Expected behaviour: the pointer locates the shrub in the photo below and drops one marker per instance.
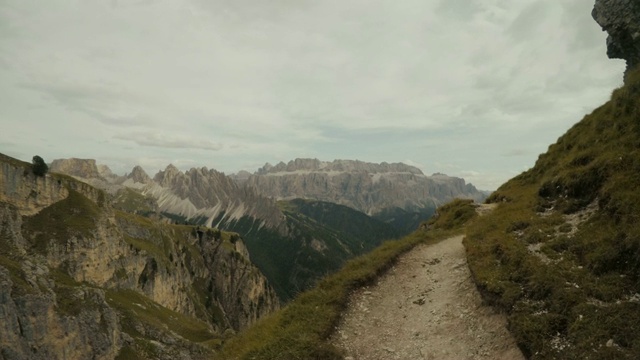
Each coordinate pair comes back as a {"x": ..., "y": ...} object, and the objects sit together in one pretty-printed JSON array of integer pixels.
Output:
[{"x": 40, "y": 168}]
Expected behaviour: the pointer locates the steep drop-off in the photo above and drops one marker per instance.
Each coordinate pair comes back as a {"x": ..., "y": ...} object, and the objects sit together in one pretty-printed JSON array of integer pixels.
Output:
[
  {"x": 79, "y": 279},
  {"x": 319, "y": 238}
]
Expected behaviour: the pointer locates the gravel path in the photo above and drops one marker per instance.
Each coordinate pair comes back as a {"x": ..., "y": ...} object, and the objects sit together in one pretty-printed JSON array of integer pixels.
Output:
[{"x": 426, "y": 307}]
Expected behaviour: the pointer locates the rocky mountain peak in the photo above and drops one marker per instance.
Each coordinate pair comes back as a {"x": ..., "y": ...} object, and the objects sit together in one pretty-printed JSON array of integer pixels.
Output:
[
  {"x": 106, "y": 172},
  {"x": 138, "y": 175},
  {"x": 621, "y": 20},
  {"x": 315, "y": 165},
  {"x": 83, "y": 168},
  {"x": 167, "y": 176}
]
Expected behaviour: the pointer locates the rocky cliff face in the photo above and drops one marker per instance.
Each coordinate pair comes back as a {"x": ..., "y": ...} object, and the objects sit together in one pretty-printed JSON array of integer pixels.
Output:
[
  {"x": 85, "y": 168},
  {"x": 209, "y": 195},
  {"x": 621, "y": 20},
  {"x": 79, "y": 279},
  {"x": 370, "y": 188},
  {"x": 138, "y": 175},
  {"x": 197, "y": 195}
]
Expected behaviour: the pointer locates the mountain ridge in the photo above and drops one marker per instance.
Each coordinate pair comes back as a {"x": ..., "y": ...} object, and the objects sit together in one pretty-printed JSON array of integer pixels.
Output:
[{"x": 76, "y": 272}]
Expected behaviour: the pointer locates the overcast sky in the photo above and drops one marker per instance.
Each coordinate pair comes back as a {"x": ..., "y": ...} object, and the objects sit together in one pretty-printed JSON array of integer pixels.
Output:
[{"x": 473, "y": 88}]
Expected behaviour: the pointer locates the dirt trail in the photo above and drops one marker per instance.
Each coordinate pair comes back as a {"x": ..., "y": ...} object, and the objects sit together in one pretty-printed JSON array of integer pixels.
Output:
[{"x": 426, "y": 307}]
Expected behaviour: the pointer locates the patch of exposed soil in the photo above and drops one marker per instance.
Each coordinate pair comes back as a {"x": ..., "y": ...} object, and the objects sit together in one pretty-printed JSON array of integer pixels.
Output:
[{"x": 426, "y": 307}]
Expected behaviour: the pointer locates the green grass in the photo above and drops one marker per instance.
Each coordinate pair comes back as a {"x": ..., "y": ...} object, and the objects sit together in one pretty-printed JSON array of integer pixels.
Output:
[
  {"x": 135, "y": 307},
  {"x": 133, "y": 201},
  {"x": 453, "y": 215},
  {"x": 74, "y": 216},
  {"x": 301, "y": 329},
  {"x": 576, "y": 290}
]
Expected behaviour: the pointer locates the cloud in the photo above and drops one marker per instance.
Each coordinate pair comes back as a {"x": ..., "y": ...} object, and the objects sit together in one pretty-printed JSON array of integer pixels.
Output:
[
  {"x": 101, "y": 103},
  {"x": 515, "y": 152},
  {"x": 169, "y": 142},
  {"x": 429, "y": 80}
]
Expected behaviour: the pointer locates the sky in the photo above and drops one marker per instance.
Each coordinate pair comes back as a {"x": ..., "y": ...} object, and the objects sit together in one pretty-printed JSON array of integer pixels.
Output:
[{"x": 475, "y": 88}]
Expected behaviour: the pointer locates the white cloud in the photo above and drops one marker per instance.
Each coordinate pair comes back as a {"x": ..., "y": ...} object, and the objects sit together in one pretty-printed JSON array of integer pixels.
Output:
[
  {"x": 255, "y": 81},
  {"x": 169, "y": 141}
]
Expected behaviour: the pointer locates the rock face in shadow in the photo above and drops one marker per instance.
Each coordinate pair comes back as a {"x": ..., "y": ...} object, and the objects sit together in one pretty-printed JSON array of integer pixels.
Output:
[{"x": 621, "y": 20}]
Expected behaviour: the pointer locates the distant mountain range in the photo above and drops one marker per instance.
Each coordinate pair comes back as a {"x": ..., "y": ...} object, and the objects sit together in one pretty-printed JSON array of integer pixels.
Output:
[
  {"x": 82, "y": 279},
  {"x": 286, "y": 213}
]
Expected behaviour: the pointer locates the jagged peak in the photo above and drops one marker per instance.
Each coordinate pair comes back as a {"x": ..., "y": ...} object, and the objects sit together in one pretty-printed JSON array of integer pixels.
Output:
[
  {"x": 106, "y": 172},
  {"x": 171, "y": 168},
  {"x": 139, "y": 175},
  {"x": 308, "y": 164},
  {"x": 168, "y": 173}
]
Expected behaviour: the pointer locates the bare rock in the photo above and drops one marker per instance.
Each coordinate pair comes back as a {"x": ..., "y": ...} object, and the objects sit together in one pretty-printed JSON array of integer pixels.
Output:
[
  {"x": 621, "y": 20},
  {"x": 83, "y": 168}
]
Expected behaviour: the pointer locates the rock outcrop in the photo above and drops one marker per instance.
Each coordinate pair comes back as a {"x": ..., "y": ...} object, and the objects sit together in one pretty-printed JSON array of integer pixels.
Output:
[
  {"x": 79, "y": 279},
  {"x": 367, "y": 187},
  {"x": 138, "y": 175},
  {"x": 84, "y": 168},
  {"x": 210, "y": 195},
  {"x": 621, "y": 20}
]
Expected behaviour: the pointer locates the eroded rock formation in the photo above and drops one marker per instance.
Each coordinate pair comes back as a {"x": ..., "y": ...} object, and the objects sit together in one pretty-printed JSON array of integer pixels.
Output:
[
  {"x": 621, "y": 20},
  {"x": 368, "y": 187},
  {"x": 79, "y": 279}
]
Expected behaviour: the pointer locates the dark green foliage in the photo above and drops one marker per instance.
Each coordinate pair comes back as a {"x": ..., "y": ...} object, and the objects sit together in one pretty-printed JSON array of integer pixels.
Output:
[
  {"x": 578, "y": 289},
  {"x": 405, "y": 221},
  {"x": 321, "y": 236},
  {"x": 40, "y": 168},
  {"x": 301, "y": 329}
]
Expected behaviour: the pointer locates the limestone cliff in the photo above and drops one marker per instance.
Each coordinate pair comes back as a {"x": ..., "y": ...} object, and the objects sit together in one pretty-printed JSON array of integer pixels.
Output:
[
  {"x": 79, "y": 279},
  {"x": 621, "y": 20},
  {"x": 85, "y": 168},
  {"x": 368, "y": 187},
  {"x": 208, "y": 195}
]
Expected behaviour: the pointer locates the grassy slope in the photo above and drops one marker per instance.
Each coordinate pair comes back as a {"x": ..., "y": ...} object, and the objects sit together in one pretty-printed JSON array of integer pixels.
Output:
[
  {"x": 574, "y": 298},
  {"x": 300, "y": 330}
]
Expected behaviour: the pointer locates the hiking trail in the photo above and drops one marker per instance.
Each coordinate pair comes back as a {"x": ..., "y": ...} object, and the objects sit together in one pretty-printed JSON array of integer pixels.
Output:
[{"x": 425, "y": 308}]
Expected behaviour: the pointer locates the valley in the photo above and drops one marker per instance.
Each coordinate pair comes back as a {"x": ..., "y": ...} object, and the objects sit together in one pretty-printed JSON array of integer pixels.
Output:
[{"x": 319, "y": 259}]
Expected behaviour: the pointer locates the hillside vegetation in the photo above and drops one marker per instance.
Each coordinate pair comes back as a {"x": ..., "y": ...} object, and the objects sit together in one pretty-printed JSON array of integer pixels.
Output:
[
  {"x": 561, "y": 253},
  {"x": 301, "y": 329},
  {"x": 321, "y": 237}
]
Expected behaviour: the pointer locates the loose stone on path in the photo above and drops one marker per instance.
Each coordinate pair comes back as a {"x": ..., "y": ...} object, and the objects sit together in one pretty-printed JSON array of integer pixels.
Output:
[{"x": 425, "y": 308}]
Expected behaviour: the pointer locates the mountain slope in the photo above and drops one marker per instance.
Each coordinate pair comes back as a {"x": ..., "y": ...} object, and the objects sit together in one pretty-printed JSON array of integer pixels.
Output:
[
  {"x": 561, "y": 253},
  {"x": 395, "y": 193},
  {"x": 78, "y": 277},
  {"x": 293, "y": 243},
  {"x": 319, "y": 238}
]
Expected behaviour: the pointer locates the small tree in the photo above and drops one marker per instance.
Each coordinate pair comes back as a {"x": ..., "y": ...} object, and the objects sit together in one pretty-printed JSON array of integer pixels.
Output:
[{"x": 40, "y": 168}]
